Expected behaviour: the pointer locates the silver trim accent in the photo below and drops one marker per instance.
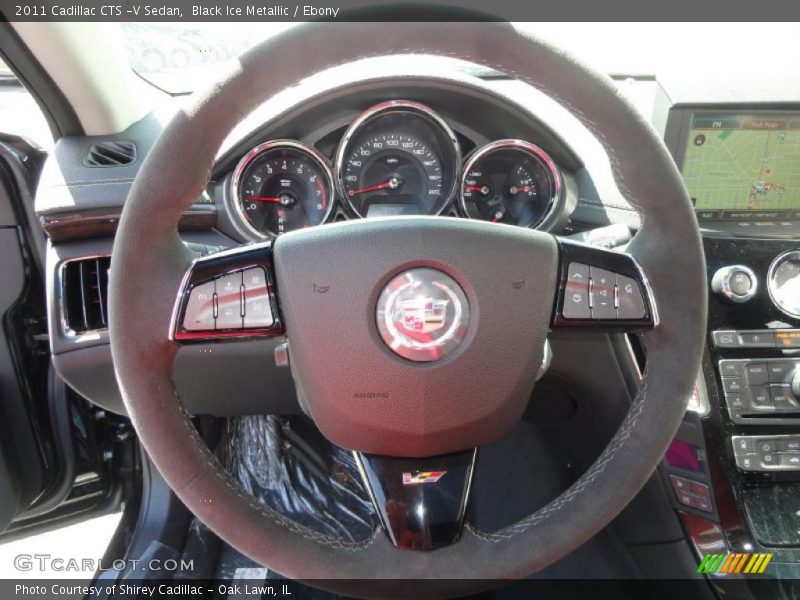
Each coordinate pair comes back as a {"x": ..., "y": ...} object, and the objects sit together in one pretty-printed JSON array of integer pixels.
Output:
[
  {"x": 374, "y": 112},
  {"x": 520, "y": 146},
  {"x": 700, "y": 389},
  {"x": 281, "y": 354},
  {"x": 632, "y": 356},
  {"x": 183, "y": 288},
  {"x": 773, "y": 267},
  {"x": 241, "y": 221},
  {"x": 651, "y": 299},
  {"x": 547, "y": 358},
  {"x": 60, "y": 290},
  {"x": 721, "y": 283},
  {"x": 704, "y": 405}
]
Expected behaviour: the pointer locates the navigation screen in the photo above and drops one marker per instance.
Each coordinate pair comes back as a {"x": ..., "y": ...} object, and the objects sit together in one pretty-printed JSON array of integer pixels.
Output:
[{"x": 744, "y": 167}]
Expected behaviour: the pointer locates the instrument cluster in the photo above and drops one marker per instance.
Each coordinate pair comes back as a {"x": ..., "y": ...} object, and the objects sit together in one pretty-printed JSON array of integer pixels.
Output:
[{"x": 396, "y": 158}]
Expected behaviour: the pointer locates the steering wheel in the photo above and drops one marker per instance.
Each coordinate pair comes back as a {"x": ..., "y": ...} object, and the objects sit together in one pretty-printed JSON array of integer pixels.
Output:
[{"x": 412, "y": 341}]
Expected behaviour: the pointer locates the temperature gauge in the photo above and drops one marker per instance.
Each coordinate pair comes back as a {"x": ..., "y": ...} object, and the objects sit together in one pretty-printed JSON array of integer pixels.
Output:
[{"x": 510, "y": 181}]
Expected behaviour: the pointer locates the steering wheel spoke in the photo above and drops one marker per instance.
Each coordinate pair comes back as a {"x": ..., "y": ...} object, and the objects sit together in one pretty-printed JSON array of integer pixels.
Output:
[
  {"x": 420, "y": 501},
  {"x": 602, "y": 289},
  {"x": 227, "y": 296}
]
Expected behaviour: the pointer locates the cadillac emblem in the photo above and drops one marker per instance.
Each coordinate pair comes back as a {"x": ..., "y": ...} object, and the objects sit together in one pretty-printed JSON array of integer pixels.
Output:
[{"x": 422, "y": 314}]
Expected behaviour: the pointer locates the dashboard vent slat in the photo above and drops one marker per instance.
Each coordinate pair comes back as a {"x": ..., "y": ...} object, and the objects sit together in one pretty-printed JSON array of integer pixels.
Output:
[
  {"x": 85, "y": 294},
  {"x": 110, "y": 154}
]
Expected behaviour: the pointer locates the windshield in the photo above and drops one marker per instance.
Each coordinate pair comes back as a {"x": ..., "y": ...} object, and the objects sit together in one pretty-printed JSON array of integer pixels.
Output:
[{"x": 179, "y": 57}]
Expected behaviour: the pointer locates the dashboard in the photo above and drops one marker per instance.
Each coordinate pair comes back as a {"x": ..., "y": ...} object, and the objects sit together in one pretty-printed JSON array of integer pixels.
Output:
[{"x": 397, "y": 157}]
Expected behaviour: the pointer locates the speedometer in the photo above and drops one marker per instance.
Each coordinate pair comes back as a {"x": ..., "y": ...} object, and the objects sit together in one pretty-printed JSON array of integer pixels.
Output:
[{"x": 398, "y": 158}]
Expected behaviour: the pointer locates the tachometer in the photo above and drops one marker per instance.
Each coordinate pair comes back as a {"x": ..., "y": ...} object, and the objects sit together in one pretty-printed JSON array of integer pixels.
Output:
[
  {"x": 398, "y": 158},
  {"x": 280, "y": 186},
  {"x": 510, "y": 181}
]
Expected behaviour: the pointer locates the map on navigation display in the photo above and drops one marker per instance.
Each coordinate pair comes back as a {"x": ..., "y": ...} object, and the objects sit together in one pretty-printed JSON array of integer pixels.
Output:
[{"x": 738, "y": 164}]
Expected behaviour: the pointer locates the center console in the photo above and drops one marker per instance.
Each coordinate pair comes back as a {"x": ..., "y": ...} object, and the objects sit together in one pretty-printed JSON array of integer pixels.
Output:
[{"x": 742, "y": 170}]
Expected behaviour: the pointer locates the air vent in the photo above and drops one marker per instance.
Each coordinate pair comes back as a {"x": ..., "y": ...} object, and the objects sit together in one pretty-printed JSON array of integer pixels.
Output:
[
  {"x": 85, "y": 294},
  {"x": 110, "y": 154}
]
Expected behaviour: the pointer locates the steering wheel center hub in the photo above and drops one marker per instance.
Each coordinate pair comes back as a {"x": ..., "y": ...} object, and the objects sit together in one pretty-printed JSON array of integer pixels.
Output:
[
  {"x": 423, "y": 315},
  {"x": 423, "y": 340}
]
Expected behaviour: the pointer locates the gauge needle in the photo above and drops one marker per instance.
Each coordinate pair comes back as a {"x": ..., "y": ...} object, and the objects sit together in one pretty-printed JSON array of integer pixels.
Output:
[
  {"x": 483, "y": 190},
  {"x": 523, "y": 188},
  {"x": 392, "y": 183},
  {"x": 275, "y": 199}
]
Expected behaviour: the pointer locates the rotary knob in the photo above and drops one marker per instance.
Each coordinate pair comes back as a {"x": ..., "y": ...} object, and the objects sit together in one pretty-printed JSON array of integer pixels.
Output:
[{"x": 735, "y": 283}]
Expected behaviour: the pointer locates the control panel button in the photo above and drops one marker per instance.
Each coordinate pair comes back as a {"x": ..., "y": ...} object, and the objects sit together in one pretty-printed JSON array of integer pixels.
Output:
[
  {"x": 630, "y": 299},
  {"x": 680, "y": 484},
  {"x": 576, "y": 293},
  {"x": 255, "y": 278},
  {"x": 742, "y": 444},
  {"x": 737, "y": 402},
  {"x": 257, "y": 309},
  {"x": 756, "y": 373},
  {"x": 741, "y": 283},
  {"x": 767, "y": 446},
  {"x": 780, "y": 372},
  {"x": 782, "y": 397},
  {"x": 199, "y": 314},
  {"x": 760, "y": 397},
  {"x": 685, "y": 498},
  {"x": 789, "y": 445},
  {"x": 229, "y": 301},
  {"x": 703, "y": 504},
  {"x": 735, "y": 283},
  {"x": 601, "y": 293},
  {"x": 787, "y": 339},
  {"x": 769, "y": 459},
  {"x": 731, "y": 368},
  {"x": 733, "y": 385},
  {"x": 790, "y": 460},
  {"x": 725, "y": 339},
  {"x": 756, "y": 339}
]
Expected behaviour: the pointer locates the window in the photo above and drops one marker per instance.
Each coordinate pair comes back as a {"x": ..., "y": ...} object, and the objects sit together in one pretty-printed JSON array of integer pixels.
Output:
[{"x": 19, "y": 113}]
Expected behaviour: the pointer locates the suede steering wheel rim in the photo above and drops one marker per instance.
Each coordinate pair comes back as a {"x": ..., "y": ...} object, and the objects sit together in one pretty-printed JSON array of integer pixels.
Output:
[{"x": 149, "y": 261}]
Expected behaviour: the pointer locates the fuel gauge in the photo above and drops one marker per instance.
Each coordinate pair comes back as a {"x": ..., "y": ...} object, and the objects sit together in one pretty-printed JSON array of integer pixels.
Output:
[{"x": 510, "y": 181}]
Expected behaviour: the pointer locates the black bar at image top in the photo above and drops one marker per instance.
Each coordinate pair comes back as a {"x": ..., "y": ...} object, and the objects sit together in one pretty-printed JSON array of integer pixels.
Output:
[{"x": 393, "y": 10}]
